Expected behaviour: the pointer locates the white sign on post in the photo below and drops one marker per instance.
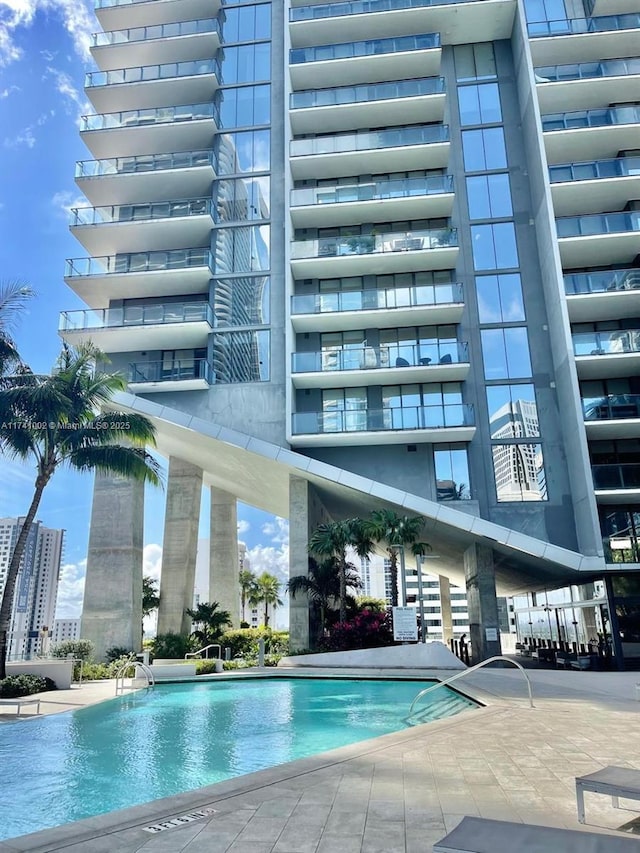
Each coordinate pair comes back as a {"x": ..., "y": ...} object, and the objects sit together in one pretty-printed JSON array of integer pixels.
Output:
[
  {"x": 405, "y": 624},
  {"x": 491, "y": 634}
]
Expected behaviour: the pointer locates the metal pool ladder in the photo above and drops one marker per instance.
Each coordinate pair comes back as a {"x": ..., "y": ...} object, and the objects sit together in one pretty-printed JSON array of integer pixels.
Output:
[
  {"x": 466, "y": 672},
  {"x": 121, "y": 676}
]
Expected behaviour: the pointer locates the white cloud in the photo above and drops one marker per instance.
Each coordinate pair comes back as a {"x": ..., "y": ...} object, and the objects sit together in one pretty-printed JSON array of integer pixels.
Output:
[
  {"x": 243, "y": 526},
  {"x": 64, "y": 201},
  {"x": 71, "y": 590},
  {"x": 27, "y": 136},
  {"x": 266, "y": 558},
  {"x": 75, "y": 16},
  {"x": 74, "y": 98},
  {"x": 4, "y": 93},
  {"x": 277, "y": 530}
]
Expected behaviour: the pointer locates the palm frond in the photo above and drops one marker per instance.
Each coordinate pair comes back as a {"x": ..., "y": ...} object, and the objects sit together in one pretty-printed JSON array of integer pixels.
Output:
[
  {"x": 131, "y": 462},
  {"x": 14, "y": 296}
]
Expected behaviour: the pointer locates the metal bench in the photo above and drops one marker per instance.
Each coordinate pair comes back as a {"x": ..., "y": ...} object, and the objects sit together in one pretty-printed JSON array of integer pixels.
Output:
[
  {"x": 478, "y": 835},
  {"x": 20, "y": 701},
  {"x": 614, "y": 781}
]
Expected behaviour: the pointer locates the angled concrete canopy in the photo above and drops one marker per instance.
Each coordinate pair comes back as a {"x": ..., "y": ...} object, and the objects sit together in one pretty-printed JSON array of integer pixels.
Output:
[{"x": 258, "y": 472}]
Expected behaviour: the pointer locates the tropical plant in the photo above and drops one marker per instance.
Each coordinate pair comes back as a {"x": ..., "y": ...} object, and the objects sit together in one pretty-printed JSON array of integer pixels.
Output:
[
  {"x": 367, "y": 630},
  {"x": 322, "y": 585},
  {"x": 396, "y": 531},
  {"x": 209, "y": 622},
  {"x": 118, "y": 653},
  {"x": 266, "y": 591},
  {"x": 54, "y": 421},
  {"x": 150, "y": 597},
  {"x": 81, "y": 649},
  {"x": 14, "y": 296},
  {"x": 247, "y": 582},
  {"x": 243, "y": 642},
  {"x": 14, "y": 686},
  {"x": 171, "y": 646}
]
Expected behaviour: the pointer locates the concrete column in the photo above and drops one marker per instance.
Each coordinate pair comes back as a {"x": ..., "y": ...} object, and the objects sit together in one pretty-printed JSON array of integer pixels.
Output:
[
  {"x": 480, "y": 577},
  {"x": 299, "y": 527},
  {"x": 445, "y": 609},
  {"x": 179, "y": 546},
  {"x": 112, "y": 607},
  {"x": 224, "y": 565}
]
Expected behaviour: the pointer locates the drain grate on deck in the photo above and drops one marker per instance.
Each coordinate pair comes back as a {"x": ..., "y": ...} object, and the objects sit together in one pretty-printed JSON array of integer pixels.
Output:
[{"x": 181, "y": 820}]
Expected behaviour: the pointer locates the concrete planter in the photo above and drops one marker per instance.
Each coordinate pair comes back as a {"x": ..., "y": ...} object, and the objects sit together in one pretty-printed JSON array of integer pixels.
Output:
[{"x": 59, "y": 671}]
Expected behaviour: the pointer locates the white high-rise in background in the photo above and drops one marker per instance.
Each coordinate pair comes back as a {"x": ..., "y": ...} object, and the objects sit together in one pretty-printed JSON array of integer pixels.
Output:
[
  {"x": 64, "y": 630},
  {"x": 34, "y": 601}
]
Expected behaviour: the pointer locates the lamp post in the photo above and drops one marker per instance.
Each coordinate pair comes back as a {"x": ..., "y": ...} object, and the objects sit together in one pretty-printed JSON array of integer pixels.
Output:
[{"x": 423, "y": 625}]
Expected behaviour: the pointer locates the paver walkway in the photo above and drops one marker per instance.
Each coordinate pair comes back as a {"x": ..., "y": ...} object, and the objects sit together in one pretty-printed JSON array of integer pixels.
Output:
[{"x": 404, "y": 791}]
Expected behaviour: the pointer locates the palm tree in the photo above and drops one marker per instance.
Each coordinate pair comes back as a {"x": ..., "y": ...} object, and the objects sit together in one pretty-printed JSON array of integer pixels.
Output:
[
  {"x": 247, "y": 582},
  {"x": 150, "y": 597},
  {"x": 13, "y": 298},
  {"x": 396, "y": 531},
  {"x": 211, "y": 622},
  {"x": 53, "y": 420},
  {"x": 322, "y": 585},
  {"x": 267, "y": 589}
]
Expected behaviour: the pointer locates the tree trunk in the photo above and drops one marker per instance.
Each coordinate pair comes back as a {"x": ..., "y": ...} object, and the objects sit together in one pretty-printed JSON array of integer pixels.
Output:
[
  {"x": 393, "y": 561},
  {"x": 266, "y": 613},
  {"x": 12, "y": 574},
  {"x": 343, "y": 591}
]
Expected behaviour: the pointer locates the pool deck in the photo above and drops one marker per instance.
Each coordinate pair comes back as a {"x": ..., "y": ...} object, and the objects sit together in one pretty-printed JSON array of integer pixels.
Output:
[{"x": 402, "y": 792}]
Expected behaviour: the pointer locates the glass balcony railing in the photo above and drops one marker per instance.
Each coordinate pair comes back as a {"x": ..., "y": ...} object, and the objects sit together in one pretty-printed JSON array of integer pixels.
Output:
[
  {"x": 588, "y": 70},
  {"x": 148, "y": 73},
  {"x": 158, "y": 31},
  {"x": 369, "y": 244},
  {"x": 569, "y": 26},
  {"x": 615, "y": 342},
  {"x": 610, "y": 116},
  {"x": 625, "y": 476},
  {"x": 155, "y": 115},
  {"x": 136, "y": 315},
  {"x": 179, "y": 370},
  {"x": 598, "y": 223},
  {"x": 622, "y": 548},
  {"x": 174, "y": 259},
  {"x": 143, "y": 163},
  {"x": 383, "y": 299},
  {"x": 602, "y": 281},
  {"x": 430, "y": 353},
  {"x": 373, "y": 191},
  {"x": 393, "y": 137},
  {"x": 621, "y": 167},
  {"x": 360, "y": 7},
  {"x": 378, "y": 420},
  {"x": 371, "y": 47},
  {"x": 140, "y": 212},
  {"x": 613, "y": 407},
  {"x": 366, "y": 93},
  {"x": 107, "y": 4}
]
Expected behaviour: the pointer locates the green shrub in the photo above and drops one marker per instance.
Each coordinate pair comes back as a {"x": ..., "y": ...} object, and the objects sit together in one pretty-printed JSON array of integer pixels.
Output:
[
  {"x": 205, "y": 667},
  {"x": 244, "y": 642},
  {"x": 117, "y": 652},
  {"x": 14, "y": 686},
  {"x": 82, "y": 649},
  {"x": 171, "y": 645}
]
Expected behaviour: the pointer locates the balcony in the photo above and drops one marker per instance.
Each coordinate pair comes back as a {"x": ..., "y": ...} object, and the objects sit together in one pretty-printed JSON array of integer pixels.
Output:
[
  {"x": 591, "y": 134},
  {"x": 616, "y": 484},
  {"x": 149, "y": 86},
  {"x": 343, "y": 204},
  {"x": 368, "y": 105},
  {"x": 99, "y": 281},
  {"x": 459, "y": 22},
  {"x": 152, "y": 377},
  {"x": 149, "y": 227},
  {"x": 120, "y": 14},
  {"x": 176, "y": 325},
  {"x": 375, "y": 254},
  {"x": 588, "y": 85},
  {"x": 153, "y": 131},
  {"x": 611, "y": 417},
  {"x": 594, "y": 186},
  {"x": 388, "y": 308},
  {"x": 595, "y": 240},
  {"x": 153, "y": 177},
  {"x": 612, "y": 7},
  {"x": 376, "y": 60},
  {"x": 603, "y": 355},
  {"x": 350, "y": 367},
  {"x": 584, "y": 39},
  {"x": 602, "y": 295},
  {"x": 383, "y": 426},
  {"x": 370, "y": 152},
  {"x": 174, "y": 42},
  {"x": 622, "y": 548}
]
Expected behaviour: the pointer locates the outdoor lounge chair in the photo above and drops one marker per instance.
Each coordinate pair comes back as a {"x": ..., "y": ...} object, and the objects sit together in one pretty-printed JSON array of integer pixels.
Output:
[
  {"x": 478, "y": 835},
  {"x": 614, "y": 781}
]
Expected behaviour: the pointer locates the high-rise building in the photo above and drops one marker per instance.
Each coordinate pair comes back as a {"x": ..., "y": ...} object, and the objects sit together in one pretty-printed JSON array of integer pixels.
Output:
[
  {"x": 65, "y": 629},
  {"x": 34, "y": 600},
  {"x": 355, "y": 255}
]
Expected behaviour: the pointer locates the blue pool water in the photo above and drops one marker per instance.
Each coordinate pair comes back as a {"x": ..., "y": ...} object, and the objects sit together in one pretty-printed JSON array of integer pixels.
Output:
[{"x": 177, "y": 737}]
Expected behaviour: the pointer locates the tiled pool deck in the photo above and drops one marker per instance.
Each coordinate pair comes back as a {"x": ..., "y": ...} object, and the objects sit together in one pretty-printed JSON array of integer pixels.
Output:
[{"x": 402, "y": 792}]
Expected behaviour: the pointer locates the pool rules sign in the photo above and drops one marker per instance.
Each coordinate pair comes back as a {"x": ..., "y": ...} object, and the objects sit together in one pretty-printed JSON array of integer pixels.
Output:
[{"x": 405, "y": 624}]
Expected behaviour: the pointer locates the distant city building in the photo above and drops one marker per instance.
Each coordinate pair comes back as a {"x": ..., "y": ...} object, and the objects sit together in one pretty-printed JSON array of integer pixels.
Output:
[
  {"x": 65, "y": 629},
  {"x": 34, "y": 601}
]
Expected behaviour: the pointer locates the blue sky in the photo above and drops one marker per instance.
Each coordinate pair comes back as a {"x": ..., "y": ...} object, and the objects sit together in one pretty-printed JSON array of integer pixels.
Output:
[{"x": 43, "y": 59}]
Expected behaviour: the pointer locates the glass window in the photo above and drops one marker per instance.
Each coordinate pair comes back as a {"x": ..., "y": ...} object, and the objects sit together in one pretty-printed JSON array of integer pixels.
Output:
[
  {"x": 246, "y": 23},
  {"x": 242, "y": 199},
  {"x": 344, "y": 410},
  {"x": 452, "y": 472},
  {"x": 512, "y": 411},
  {"x": 489, "y": 196},
  {"x": 246, "y": 151},
  {"x": 479, "y": 104},
  {"x": 245, "y": 106},
  {"x": 242, "y": 249},
  {"x": 474, "y": 62},
  {"x": 494, "y": 246},
  {"x": 241, "y": 301},
  {"x": 505, "y": 353},
  {"x": 500, "y": 298},
  {"x": 241, "y": 356},
  {"x": 484, "y": 150},
  {"x": 519, "y": 472},
  {"x": 246, "y": 63}
]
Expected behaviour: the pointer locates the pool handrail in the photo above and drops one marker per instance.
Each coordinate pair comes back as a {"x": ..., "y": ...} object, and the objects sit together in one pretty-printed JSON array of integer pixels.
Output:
[
  {"x": 466, "y": 672},
  {"x": 120, "y": 675},
  {"x": 205, "y": 649}
]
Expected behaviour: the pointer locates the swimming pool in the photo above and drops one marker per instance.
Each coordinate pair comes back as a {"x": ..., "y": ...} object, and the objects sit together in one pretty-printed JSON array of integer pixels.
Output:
[{"x": 178, "y": 737}]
